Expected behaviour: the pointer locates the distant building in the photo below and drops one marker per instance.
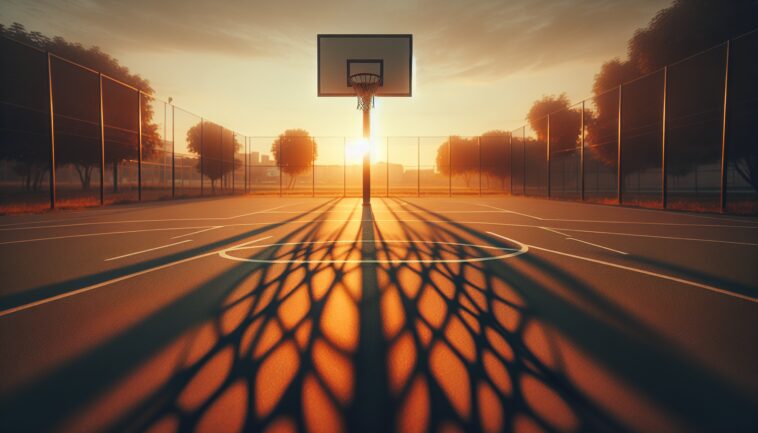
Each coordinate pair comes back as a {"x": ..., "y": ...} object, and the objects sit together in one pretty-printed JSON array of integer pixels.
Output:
[
  {"x": 254, "y": 158},
  {"x": 265, "y": 160}
]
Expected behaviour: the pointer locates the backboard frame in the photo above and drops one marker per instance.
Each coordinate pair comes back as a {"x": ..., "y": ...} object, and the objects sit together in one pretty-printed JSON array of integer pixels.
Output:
[{"x": 368, "y": 59}]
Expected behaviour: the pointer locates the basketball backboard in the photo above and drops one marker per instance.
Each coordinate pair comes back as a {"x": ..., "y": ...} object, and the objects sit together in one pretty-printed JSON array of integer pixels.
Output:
[{"x": 389, "y": 56}]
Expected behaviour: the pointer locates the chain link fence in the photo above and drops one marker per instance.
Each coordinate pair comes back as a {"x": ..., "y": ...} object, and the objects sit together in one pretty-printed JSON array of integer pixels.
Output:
[{"x": 682, "y": 137}]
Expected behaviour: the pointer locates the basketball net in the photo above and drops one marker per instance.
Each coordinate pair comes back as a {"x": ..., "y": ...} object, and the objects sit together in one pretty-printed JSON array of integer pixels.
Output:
[{"x": 365, "y": 86}]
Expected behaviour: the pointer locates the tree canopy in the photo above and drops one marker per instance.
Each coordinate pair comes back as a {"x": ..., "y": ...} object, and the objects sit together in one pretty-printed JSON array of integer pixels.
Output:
[
  {"x": 75, "y": 93},
  {"x": 217, "y": 147},
  {"x": 685, "y": 28},
  {"x": 565, "y": 122},
  {"x": 294, "y": 152}
]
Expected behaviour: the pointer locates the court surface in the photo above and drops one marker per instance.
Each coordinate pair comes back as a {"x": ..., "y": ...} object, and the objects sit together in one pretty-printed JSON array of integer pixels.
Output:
[{"x": 417, "y": 314}]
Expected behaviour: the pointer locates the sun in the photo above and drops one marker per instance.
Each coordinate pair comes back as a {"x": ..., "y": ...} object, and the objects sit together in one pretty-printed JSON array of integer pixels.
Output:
[{"x": 355, "y": 149}]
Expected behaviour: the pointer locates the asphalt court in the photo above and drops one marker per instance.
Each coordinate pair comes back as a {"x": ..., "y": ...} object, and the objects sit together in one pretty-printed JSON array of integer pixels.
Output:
[{"x": 484, "y": 313}]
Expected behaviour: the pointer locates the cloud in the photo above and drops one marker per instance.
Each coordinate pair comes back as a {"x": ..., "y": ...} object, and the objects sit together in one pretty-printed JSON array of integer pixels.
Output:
[{"x": 480, "y": 40}]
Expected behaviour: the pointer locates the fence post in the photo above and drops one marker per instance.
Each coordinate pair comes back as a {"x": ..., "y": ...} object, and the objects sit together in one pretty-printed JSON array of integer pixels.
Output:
[
  {"x": 139, "y": 145},
  {"x": 547, "y": 154},
  {"x": 479, "y": 142},
  {"x": 202, "y": 157},
  {"x": 281, "y": 163},
  {"x": 234, "y": 161},
  {"x": 664, "y": 161},
  {"x": 344, "y": 167},
  {"x": 221, "y": 157},
  {"x": 523, "y": 156},
  {"x": 173, "y": 154},
  {"x": 619, "y": 171},
  {"x": 510, "y": 161},
  {"x": 450, "y": 166},
  {"x": 52, "y": 130},
  {"x": 102, "y": 139},
  {"x": 724, "y": 131},
  {"x": 581, "y": 156},
  {"x": 245, "y": 188}
]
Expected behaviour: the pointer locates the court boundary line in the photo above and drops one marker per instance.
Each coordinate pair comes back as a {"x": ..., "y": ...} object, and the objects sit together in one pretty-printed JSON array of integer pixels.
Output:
[
  {"x": 597, "y": 245},
  {"x": 646, "y": 272},
  {"x": 148, "y": 250},
  {"x": 197, "y": 232},
  {"x": 85, "y": 235},
  {"x": 677, "y": 212},
  {"x": 85, "y": 289},
  {"x": 146, "y": 220},
  {"x": 523, "y": 248},
  {"x": 553, "y": 229},
  {"x": 569, "y": 220}
]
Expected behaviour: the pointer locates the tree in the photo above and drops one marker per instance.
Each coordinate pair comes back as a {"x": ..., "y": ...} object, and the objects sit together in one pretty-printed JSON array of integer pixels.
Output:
[
  {"x": 464, "y": 160},
  {"x": 294, "y": 151},
  {"x": 76, "y": 105},
  {"x": 685, "y": 28},
  {"x": 565, "y": 122},
  {"x": 495, "y": 153},
  {"x": 216, "y": 147}
]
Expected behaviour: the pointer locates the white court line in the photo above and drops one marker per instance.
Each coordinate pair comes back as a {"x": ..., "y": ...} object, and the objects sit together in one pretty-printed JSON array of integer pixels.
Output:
[
  {"x": 199, "y": 231},
  {"x": 85, "y": 235},
  {"x": 10, "y": 311},
  {"x": 642, "y": 271},
  {"x": 264, "y": 210},
  {"x": 584, "y": 242},
  {"x": 146, "y": 220},
  {"x": 512, "y": 253},
  {"x": 657, "y": 223},
  {"x": 676, "y": 238},
  {"x": 506, "y": 211},
  {"x": 596, "y": 245},
  {"x": 148, "y": 250},
  {"x": 378, "y": 220},
  {"x": 554, "y": 231}
]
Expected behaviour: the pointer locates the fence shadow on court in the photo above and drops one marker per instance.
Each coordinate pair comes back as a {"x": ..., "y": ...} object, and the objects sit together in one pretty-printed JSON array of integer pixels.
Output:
[
  {"x": 338, "y": 345},
  {"x": 340, "y": 327}
]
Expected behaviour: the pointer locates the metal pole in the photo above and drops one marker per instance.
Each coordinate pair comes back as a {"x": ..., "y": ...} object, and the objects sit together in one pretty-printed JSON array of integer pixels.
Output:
[
  {"x": 619, "y": 171},
  {"x": 479, "y": 145},
  {"x": 281, "y": 163},
  {"x": 523, "y": 157},
  {"x": 547, "y": 155},
  {"x": 173, "y": 154},
  {"x": 581, "y": 156},
  {"x": 724, "y": 131},
  {"x": 139, "y": 145},
  {"x": 52, "y": 131},
  {"x": 102, "y": 140},
  {"x": 163, "y": 144},
  {"x": 450, "y": 166},
  {"x": 510, "y": 162},
  {"x": 367, "y": 157},
  {"x": 221, "y": 156},
  {"x": 234, "y": 160},
  {"x": 344, "y": 167},
  {"x": 246, "y": 164},
  {"x": 418, "y": 166},
  {"x": 202, "y": 158},
  {"x": 664, "y": 161}
]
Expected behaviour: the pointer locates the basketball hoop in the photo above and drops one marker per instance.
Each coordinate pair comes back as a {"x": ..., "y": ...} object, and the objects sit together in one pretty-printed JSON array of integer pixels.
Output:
[{"x": 365, "y": 86}]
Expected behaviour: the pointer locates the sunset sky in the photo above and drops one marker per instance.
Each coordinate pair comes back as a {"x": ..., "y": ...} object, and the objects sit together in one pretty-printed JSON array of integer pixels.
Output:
[{"x": 251, "y": 66}]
